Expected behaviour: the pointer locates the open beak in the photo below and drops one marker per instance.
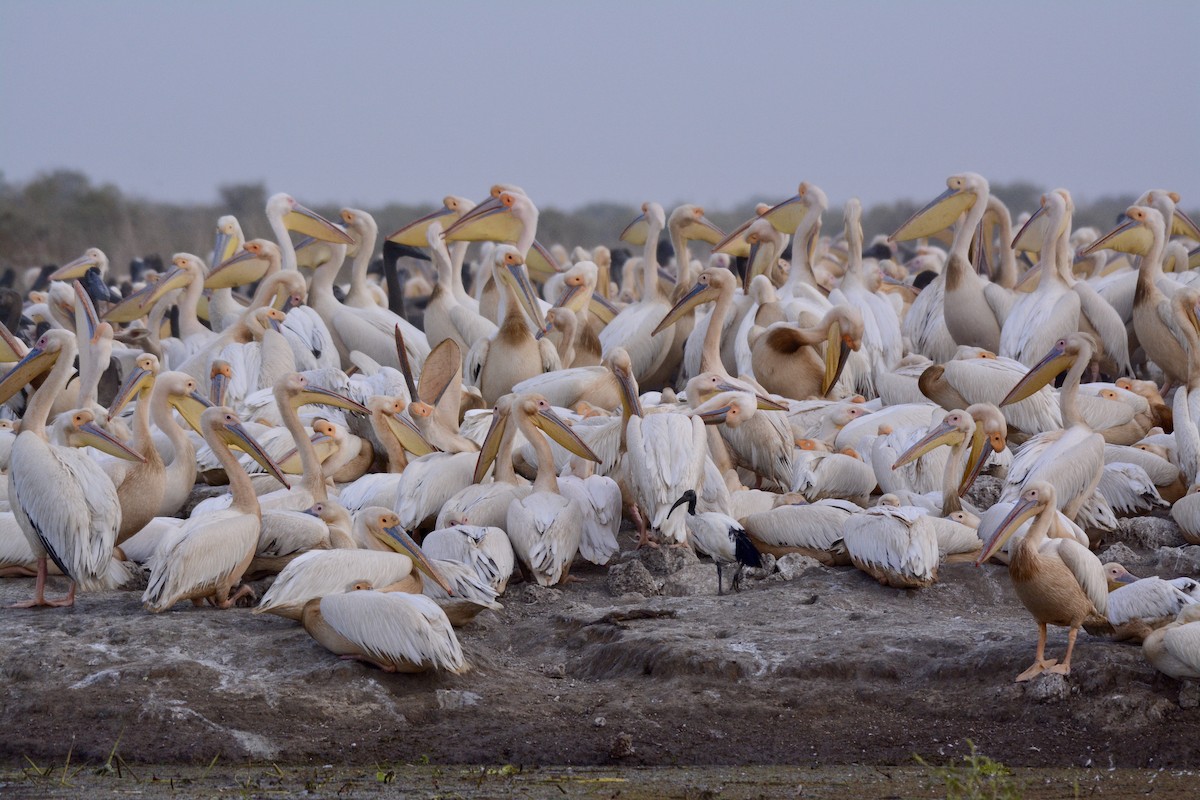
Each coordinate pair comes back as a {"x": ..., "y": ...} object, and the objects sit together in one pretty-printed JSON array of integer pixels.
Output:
[
  {"x": 34, "y": 363},
  {"x": 1182, "y": 225},
  {"x": 540, "y": 263},
  {"x": 982, "y": 447},
  {"x": 1021, "y": 512},
  {"x": 635, "y": 233},
  {"x": 1033, "y": 232},
  {"x": 490, "y": 447},
  {"x": 237, "y": 435},
  {"x": 938, "y": 215},
  {"x": 309, "y": 223},
  {"x": 319, "y": 395},
  {"x": 1042, "y": 373},
  {"x": 73, "y": 270},
  {"x": 402, "y": 543},
  {"x": 408, "y": 434},
  {"x": 558, "y": 430},
  {"x": 92, "y": 435},
  {"x": 1131, "y": 236},
  {"x": 138, "y": 380},
  {"x": 698, "y": 295},
  {"x": 175, "y": 279},
  {"x": 943, "y": 434},
  {"x": 243, "y": 268},
  {"x": 785, "y": 217},
  {"x": 837, "y": 349}
]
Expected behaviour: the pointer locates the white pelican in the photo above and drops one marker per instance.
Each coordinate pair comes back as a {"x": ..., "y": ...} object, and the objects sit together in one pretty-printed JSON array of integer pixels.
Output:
[
  {"x": 545, "y": 528},
  {"x": 1059, "y": 580},
  {"x": 1157, "y": 330},
  {"x": 811, "y": 529},
  {"x": 974, "y": 308},
  {"x": 207, "y": 555},
  {"x": 881, "y": 338},
  {"x": 1071, "y": 459},
  {"x": 395, "y": 631},
  {"x": 495, "y": 365},
  {"x": 894, "y": 544},
  {"x": 1137, "y": 606},
  {"x": 632, "y": 328},
  {"x": 65, "y": 504},
  {"x": 448, "y": 314},
  {"x": 719, "y": 537},
  {"x": 787, "y": 361},
  {"x": 486, "y": 550},
  {"x": 1175, "y": 649},
  {"x": 1051, "y": 311}
]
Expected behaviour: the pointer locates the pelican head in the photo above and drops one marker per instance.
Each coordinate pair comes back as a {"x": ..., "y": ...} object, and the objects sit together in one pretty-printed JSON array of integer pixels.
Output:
[
  {"x": 385, "y": 526},
  {"x": 955, "y": 428},
  {"x": 298, "y": 391},
  {"x": 40, "y": 359},
  {"x": 578, "y": 282},
  {"x": 728, "y": 408},
  {"x": 79, "y": 429},
  {"x": 709, "y": 286},
  {"x": 1035, "y": 498},
  {"x": 222, "y": 423},
  {"x": 505, "y": 216},
  {"x": 1175, "y": 221},
  {"x": 74, "y": 270},
  {"x": 415, "y": 233},
  {"x": 688, "y": 221},
  {"x": 391, "y": 411},
  {"x": 707, "y": 384},
  {"x": 187, "y": 268},
  {"x": 1136, "y": 235},
  {"x": 304, "y": 220},
  {"x": 765, "y": 245},
  {"x": 636, "y": 232},
  {"x": 1056, "y": 205},
  {"x": 990, "y": 436},
  {"x": 250, "y": 264},
  {"x": 1065, "y": 352},
  {"x": 962, "y": 191},
  {"x": 183, "y": 395},
  {"x": 362, "y": 225},
  {"x": 542, "y": 414},
  {"x": 495, "y": 434},
  {"x": 228, "y": 240},
  {"x": 138, "y": 382},
  {"x": 1117, "y": 576},
  {"x": 508, "y": 268}
]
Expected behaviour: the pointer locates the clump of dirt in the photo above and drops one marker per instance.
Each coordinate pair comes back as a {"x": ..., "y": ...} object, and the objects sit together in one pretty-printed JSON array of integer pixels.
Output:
[{"x": 825, "y": 668}]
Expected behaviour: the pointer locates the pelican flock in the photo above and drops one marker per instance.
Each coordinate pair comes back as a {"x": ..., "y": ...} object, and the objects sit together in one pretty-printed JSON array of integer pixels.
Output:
[{"x": 382, "y": 477}]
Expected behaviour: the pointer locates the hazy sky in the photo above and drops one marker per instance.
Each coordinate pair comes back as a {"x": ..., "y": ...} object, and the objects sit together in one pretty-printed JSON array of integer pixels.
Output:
[{"x": 717, "y": 103}]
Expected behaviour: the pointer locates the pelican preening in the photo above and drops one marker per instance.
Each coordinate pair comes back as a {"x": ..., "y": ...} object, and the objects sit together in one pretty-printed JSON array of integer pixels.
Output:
[{"x": 745, "y": 403}]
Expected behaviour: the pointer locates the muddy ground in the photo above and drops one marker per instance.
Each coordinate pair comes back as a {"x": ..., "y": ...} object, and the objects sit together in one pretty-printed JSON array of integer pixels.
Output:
[{"x": 815, "y": 667}]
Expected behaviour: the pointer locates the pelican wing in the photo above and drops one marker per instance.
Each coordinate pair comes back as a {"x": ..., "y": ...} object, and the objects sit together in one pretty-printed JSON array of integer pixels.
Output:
[
  {"x": 1086, "y": 568},
  {"x": 817, "y": 526},
  {"x": 1128, "y": 489},
  {"x": 599, "y": 498},
  {"x": 318, "y": 573},
  {"x": 1148, "y": 598},
  {"x": 892, "y": 540},
  {"x": 1105, "y": 320},
  {"x": 1183, "y": 642},
  {"x": 311, "y": 342}
]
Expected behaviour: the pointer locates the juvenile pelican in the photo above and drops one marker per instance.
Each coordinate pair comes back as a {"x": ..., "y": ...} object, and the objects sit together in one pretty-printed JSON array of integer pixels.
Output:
[{"x": 1059, "y": 580}]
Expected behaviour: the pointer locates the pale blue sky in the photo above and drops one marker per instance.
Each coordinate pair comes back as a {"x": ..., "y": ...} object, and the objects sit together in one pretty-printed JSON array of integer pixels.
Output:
[{"x": 369, "y": 102}]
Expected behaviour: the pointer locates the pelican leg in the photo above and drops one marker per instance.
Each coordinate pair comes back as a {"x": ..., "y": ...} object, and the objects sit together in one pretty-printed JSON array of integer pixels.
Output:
[
  {"x": 368, "y": 660},
  {"x": 245, "y": 591},
  {"x": 1065, "y": 667},
  {"x": 39, "y": 591},
  {"x": 1040, "y": 664},
  {"x": 643, "y": 530}
]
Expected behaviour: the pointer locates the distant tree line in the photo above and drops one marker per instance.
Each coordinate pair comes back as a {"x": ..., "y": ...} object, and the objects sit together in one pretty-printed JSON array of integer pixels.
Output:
[{"x": 57, "y": 215}]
